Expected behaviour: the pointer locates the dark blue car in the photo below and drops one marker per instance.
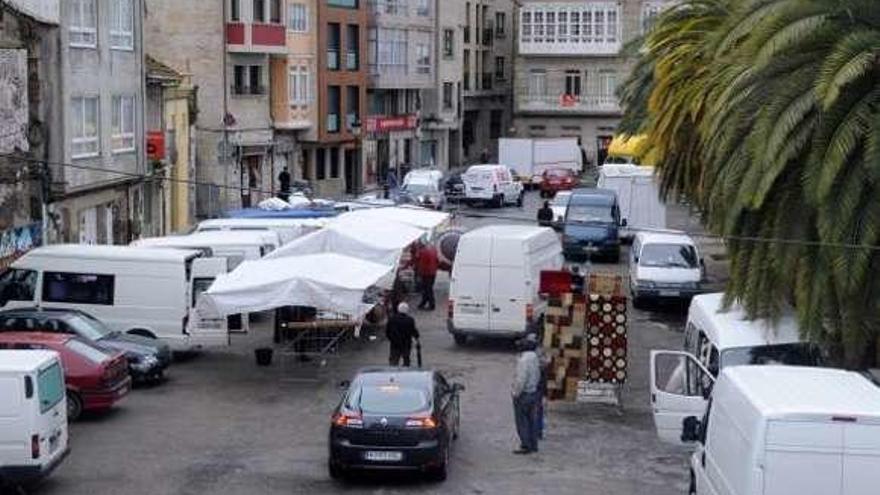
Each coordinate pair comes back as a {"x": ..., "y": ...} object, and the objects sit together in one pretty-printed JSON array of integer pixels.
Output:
[{"x": 592, "y": 223}]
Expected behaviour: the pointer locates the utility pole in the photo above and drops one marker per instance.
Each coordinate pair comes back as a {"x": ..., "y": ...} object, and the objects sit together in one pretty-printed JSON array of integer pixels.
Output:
[{"x": 45, "y": 196}]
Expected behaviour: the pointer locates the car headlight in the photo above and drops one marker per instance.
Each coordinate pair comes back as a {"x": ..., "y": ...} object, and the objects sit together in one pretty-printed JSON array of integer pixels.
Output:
[{"x": 145, "y": 363}]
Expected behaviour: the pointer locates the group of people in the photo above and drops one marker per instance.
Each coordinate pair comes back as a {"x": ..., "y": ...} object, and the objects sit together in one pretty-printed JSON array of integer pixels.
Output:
[{"x": 401, "y": 330}]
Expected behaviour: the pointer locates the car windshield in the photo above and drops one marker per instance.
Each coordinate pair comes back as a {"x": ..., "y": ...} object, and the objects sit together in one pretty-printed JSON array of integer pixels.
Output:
[
  {"x": 388, "y": 399},
  {"x": 589, "y": 214},
  {"x": 88, "y": 327},
  {"x": 92, "y": 354},
  {"x": 558, "y": 173},
  {"x": 420, "y": 188},
  {"x": 797, "y": 354},
  {"x": 669, "y": 256}
]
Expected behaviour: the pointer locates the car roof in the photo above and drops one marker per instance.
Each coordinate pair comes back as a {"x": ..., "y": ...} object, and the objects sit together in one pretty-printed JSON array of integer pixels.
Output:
[
  {"x": 380, "y": 375},
  {"x": 732, "y": 329},
  {"x": 36, "y": 337},
  {"x": 512, "y": 232},
  {"x": 593, "y": 196},
  {"x": 24, "y": 360},
  {"x": 664, "y": 238},
  {"x": 787, "y": 391},
  {"x": 35, "y": 311},
  {"x": 108, "y": 253}
]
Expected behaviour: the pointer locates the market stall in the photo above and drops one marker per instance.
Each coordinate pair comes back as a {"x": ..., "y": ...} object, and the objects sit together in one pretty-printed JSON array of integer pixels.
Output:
[{"x": 429, "y": 221}]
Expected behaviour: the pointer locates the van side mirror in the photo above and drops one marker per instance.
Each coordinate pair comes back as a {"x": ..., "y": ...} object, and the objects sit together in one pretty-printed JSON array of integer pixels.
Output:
[
  {"x": 690, "y": 429},
  {"x": 623, "y": 223}
]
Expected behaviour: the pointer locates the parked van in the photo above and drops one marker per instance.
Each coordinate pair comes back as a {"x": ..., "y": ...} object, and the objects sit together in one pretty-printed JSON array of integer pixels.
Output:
[
  {"x": 495, "y": 278},
  {"x": 664, "y": 267},
  {"x": 591, "y": 225},
  {"x": 236, "y": 246},
  {"x": 147, "y": 292},
  {"x": 715, "y": 339},
  {"x": 33, "y": 416},
  {"x": 492, "y": 184},
  {"x": 288, "y": 228},
  {"x": 777, "y": 430}
]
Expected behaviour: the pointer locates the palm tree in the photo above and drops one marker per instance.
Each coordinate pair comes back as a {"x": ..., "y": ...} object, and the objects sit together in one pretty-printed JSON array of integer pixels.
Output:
[{"x": 765, "y": 113}]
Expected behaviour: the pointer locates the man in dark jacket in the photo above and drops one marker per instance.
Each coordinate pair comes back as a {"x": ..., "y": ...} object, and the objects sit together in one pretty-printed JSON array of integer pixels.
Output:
[
  {"x": 401, "y": 331},
  {"x": 284, "y": 183},
  {"x": 545, "y": 215}
]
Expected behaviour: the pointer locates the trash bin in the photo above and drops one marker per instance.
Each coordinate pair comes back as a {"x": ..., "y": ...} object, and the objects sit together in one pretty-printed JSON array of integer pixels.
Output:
[{"x": 264, "y": 356}]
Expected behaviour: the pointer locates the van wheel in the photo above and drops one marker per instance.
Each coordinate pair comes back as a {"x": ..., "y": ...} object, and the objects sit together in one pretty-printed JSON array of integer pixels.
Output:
[
  {"x": 140, "y": 332},
  {"x": 498, "y": 201},
  {"x": 74, "y": 405},
  {"x": 460, "y": 339},
  {"x": 440, "y": 472}
]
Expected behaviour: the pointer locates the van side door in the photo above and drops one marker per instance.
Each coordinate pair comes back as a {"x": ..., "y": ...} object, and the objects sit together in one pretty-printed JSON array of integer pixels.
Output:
[
  {"x": 674, "y": 393},
  {"x": 206, "y": 327}
]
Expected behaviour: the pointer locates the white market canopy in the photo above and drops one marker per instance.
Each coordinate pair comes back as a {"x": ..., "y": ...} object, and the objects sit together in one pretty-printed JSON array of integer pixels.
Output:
[
  {"x": 367, "y": 239},
  {"x": 328, "y": 281},
  {"x": 420, "y": 218}
]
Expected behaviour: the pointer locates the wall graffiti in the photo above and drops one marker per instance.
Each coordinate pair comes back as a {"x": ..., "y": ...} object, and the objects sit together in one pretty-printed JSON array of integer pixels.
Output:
[{"x": 14, "y": 243}]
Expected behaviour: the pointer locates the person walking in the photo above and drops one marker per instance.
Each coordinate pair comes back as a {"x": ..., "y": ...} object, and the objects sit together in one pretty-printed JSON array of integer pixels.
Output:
[
  {"x": 401, "y": 331},
  {"x": 284, "y": 181},
  {"x": 545, "y": 215},
  {"x": 525, "y": 392},
  {"x": 427, "y": 264}
]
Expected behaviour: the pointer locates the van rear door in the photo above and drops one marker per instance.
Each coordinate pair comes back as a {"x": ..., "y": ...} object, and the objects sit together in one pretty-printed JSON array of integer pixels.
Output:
[
  {"x": 679, "y": 389},
  {"x": 508, "y": 294},
  {"x": 51, "y": 405},
  {"x": 470, "y": 285},
  {"x": 861, "y": 459},
  {"x": 206, "y": 327}
]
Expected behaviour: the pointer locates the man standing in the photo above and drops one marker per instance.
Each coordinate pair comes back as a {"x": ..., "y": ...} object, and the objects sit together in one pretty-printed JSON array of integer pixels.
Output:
[
  {"x": 525, "y": 396},
  {"x": 427, "y": 264},
  {"x": 545, "y": 215},
  {"x": 401, "y": 330},
  {"x": 284, "y": 184}
]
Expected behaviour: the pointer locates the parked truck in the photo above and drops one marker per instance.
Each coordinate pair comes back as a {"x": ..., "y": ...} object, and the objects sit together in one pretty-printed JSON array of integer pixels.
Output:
[
  {"x": 638, "y": 195},
  {"x": 529, "y": 158}
]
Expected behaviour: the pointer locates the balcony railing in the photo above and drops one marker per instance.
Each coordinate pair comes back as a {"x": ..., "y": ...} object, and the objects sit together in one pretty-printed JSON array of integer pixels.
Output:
[
  {"x": 332, "y": 59},
  {"x": 568, "y": 46},
  {"x": 256, "y": 38},
  {"x": 604, "y": 104}
]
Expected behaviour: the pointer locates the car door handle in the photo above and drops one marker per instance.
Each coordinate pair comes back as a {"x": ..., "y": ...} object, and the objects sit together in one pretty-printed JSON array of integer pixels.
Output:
[{"x": 496, "y": 310}]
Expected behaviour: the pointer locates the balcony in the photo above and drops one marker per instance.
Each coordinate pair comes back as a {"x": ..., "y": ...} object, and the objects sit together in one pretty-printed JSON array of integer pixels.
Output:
[
  {"x": 581, "y": 47},
  {"x": 256, "y": 38},
  {"x": 568, "y": 104}
]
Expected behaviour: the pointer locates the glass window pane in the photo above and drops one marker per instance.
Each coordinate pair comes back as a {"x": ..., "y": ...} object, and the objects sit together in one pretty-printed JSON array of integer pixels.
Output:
[{"x": 50, "y": 385}]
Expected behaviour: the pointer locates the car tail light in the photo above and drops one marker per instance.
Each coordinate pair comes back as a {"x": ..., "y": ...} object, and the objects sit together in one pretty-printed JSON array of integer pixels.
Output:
[
  {"x": 348, "y": 420},
  {"x": 530, "y": 313},
  {"x": 35, "y": 446},
  {"x": 426, "y": 422},
  {"x": 450, "y": 308}
]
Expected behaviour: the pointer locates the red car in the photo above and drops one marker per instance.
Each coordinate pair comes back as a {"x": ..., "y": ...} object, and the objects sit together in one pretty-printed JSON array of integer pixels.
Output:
[
  {"x": 557, "y": 179},
  {"x": 96, "y": 379}
]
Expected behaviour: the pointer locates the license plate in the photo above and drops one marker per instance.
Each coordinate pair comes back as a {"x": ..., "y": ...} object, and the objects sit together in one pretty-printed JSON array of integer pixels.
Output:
[
  {"x": 669, "y": 293},
  {"x": 471, "y": 310},
  {"x": 383, "y": 456}
]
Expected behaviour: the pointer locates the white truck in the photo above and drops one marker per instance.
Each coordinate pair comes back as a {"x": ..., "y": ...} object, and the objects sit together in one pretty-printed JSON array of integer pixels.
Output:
[
  {"x": 529, "y": 158},
  {"x": 638, "y": 194},
  {"x": 33, "y": 416}
]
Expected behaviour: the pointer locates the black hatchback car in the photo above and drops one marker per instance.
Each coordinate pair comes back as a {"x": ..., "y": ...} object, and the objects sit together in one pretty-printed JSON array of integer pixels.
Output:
[
  {"x": 394, "y": 419},
  {"x": 147, "y": 358}
]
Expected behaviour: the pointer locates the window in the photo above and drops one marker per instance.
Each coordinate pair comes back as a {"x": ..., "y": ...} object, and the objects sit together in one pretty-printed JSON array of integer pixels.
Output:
[
  {"x": 388, "y": 50},
  {"x": 299, "y": 86},
  {"x": 121, "y": 25},
  {"x": 255, "y": 82},
  {"x": 334, "y": 163},
  {"x": 83, "y": 24},
  {"x": 423, "y": 8},
  {"x": 500, "y": 21},
  {"x": 353, "y": 105},
  {"x": 499, "y": 68},
  {"x": 495, "y": 124},
  {"x": 572, "y": 83},
  {"x": 448, "y": 43},
  {"x": 353, "y": 44},
  {"x": 84, "y": 115},
  {"x": 297, "y": 17},
  {"x": 348, "y": 4},
  {"x": 526, "y": 21},
  {"x": 320, "y": 164},
  {"x": 275, "y": 11},
  {"x": 333, "y": 45},
  {"x": 537, "y": 84},
  {"x": 50, "y": 387},
  {"x": 423, "y": 58},
  {"x": 447, "y": 96},
  {"x": 239, "y": 80},
  {"x": 235, "y": 10},
  {"x": 78, "y": 288},
  {"x": 607, "y": 82},
  {"x": 333, "y": 109},
  {"x": 467, "y": 22},
  {"x": 593, "y": 23},
  {"x": 123, "y": 124},
  {"x": 17, "y": 285},
  {"x": 650, "y": 11},
  {"x": 467, "y": 70},
  {"x": 259, "y": 10}
]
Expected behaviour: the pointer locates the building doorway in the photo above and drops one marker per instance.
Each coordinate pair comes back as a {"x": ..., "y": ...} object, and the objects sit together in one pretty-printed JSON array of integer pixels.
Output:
[{"x": 250, "y": 180}]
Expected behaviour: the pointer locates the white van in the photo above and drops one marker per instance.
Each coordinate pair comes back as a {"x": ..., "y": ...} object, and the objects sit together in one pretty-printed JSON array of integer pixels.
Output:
[
  {"x": 236, "y": 246},
  {"x": 778, "y": 430},
  {"x": 288, "y": 229},
  {"x": 715, "y": 339},
  {"x": 495, "y": 279},
  {"x": 664, "y": 266},
  {"x": 147, "y": 292},
  {"x": 33, "y": 415},
  {"x": 493, "y": 184}
]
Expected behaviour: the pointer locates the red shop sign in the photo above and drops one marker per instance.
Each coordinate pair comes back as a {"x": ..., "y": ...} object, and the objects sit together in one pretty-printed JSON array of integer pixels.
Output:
[
  {"x": 156, "y": 145},
  {"x": 390, "y": 124}
]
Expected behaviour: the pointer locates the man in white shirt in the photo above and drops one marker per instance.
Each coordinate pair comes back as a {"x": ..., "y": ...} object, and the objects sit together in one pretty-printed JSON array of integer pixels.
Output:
[{"x": 525, "y": 392}]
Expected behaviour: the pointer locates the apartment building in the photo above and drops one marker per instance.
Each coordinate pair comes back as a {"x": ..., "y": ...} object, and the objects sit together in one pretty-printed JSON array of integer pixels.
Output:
[
  {"x": 442, "y": 103},
  {"x": 401, "y": 64},
  {"x": 333, "y": 161},
  {"x": 102, "y": 90},
  {"x": 569, "y": 65},
  {"x": 488, "y": 43},
  {"x": 226, "y": 46}
]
